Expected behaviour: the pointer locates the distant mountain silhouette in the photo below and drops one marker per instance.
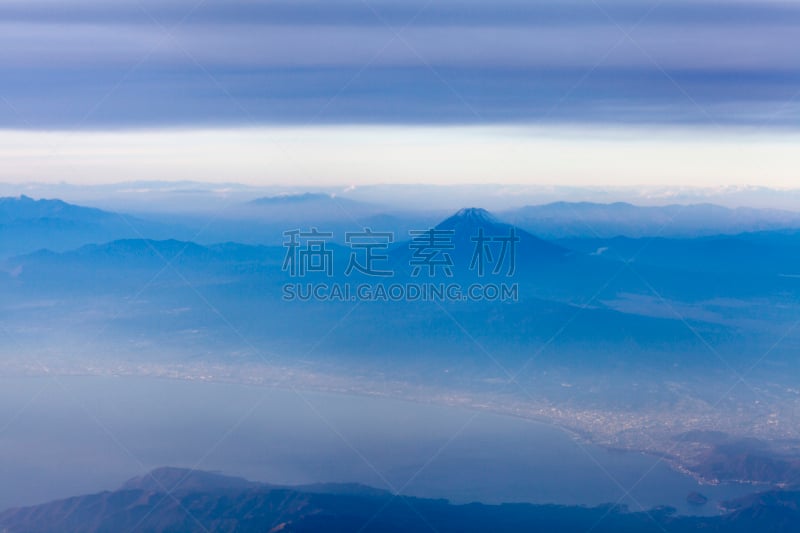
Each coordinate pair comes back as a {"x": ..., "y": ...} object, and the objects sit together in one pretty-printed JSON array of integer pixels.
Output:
[
  {"x": 468, "y": 222},
  {"x": 469, "y": 217},
  {"x": 611, "y": 312},
  {"x": 292, "y": 198},
  {"x": 27, "y": 225},
  {"x": 17, "y": 209},
  {"x": 307, "y": 208},
  {"x": 212, "y": 502},
  {"x": 474, "y": 235},
  {"x": 138, "y": 251}
]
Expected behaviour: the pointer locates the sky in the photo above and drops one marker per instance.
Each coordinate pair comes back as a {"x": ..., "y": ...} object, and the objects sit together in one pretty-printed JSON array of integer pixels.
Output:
[{"x": 440, "y": 91}]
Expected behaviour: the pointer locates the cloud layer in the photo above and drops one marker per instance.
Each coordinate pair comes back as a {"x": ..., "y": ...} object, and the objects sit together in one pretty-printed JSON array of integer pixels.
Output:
[{"x": 89, "y": 64}]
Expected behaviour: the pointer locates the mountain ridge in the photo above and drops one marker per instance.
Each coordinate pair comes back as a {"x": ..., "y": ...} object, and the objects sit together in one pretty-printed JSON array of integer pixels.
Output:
[{"x": 251, "y": 507}]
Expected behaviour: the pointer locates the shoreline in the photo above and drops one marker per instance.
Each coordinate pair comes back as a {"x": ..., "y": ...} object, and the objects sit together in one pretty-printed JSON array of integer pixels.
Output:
[{"x": 407, "y": 392}]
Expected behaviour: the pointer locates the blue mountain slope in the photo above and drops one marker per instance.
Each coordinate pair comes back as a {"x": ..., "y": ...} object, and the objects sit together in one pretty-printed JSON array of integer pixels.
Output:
[
  {"x": 243, "y": 284},
  {"x": 221, "y": 503},
  {"x": 22, "y": 208},
  {"x": 27, "y": 225},
  {"x": 472, "y": 236},
  {"x": 467, "y": 222},
  {"x": 310, "y": 207}
]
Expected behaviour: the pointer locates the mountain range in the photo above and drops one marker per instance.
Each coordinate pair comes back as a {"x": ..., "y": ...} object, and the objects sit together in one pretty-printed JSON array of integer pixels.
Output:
[
  {"x": 27, "y": 225},
  {"x": 172, "y": 499},
  {"x": 630, "y": 299},
  {"x": 626, "y": 324}
]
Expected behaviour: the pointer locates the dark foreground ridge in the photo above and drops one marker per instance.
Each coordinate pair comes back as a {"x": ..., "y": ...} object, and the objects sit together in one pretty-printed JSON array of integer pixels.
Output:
[{"x": 172, "y": 500}]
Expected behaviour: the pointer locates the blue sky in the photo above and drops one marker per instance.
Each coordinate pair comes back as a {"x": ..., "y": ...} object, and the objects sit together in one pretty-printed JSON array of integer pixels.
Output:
[{"x": 130, "y": 65}]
